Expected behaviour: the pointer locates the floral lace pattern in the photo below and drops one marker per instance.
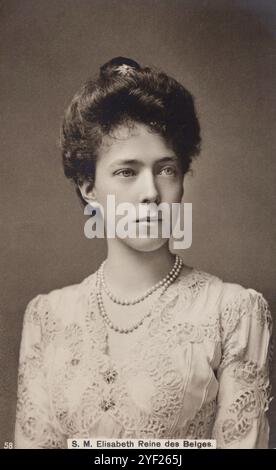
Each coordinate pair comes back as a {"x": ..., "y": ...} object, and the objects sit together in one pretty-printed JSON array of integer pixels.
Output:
[
  {"x": 251, "y": 399},
  {"x": 244, "y": 321},
  {"x": 174, "y": 382}
]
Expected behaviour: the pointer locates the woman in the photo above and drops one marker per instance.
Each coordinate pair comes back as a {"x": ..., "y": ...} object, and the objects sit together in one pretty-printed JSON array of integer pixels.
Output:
[{"x": 145, "y": 347}]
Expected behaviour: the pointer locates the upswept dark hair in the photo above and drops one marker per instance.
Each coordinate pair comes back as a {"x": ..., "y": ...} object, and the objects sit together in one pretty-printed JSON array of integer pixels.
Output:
[{"x": 125, "y": 93}]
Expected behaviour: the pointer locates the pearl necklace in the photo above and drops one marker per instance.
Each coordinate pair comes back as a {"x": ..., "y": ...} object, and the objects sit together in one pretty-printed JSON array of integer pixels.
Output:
[
  {"x": 106, "y": 318},
  {"x": 177, "y": 264}
]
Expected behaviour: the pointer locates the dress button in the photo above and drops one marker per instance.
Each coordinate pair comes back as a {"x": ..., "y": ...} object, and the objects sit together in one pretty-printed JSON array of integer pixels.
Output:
[
  {"x": 106, "y": 404},
  {"x": 110, "y": 375},
  {"x": 75, "y": 362}
]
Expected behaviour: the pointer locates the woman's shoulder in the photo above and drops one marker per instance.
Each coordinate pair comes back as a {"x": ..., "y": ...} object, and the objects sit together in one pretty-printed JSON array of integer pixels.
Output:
[
  {"x": 225, "y": 297},
  {"x": 62, "y": 303},
  {"x": 73, "y": 292}
]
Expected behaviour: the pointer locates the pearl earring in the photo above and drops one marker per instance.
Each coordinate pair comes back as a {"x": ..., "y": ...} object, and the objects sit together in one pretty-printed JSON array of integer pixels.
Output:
[{"x": 96, "y": 206}]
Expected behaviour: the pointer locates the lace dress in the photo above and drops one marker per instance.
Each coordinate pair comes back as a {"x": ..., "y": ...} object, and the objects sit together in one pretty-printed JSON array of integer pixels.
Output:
[{"x": 199, "y": 368}]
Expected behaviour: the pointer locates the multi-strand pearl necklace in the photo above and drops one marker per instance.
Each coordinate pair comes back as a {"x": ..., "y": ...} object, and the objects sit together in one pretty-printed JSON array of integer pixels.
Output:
[
  {"x": 167, "y": 280},
  {"x": 164, "y": 284}
]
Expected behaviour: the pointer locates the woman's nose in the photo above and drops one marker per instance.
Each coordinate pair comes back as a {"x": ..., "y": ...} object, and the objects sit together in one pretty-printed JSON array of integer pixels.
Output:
[{"x": 149, "y": 191}]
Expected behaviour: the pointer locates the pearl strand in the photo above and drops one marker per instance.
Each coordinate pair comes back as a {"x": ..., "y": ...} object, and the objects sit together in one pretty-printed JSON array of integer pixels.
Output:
[
  {"x": 150, "y": 291},
  {"x": 140, "y": 322}
]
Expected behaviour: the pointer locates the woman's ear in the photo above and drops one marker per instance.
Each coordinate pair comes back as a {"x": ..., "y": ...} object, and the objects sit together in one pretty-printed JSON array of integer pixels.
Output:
[{"x": 88, "y": 192}]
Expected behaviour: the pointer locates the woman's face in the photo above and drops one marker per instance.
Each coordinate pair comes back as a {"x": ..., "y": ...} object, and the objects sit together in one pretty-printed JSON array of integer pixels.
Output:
[{"x": 138, "y": 166}]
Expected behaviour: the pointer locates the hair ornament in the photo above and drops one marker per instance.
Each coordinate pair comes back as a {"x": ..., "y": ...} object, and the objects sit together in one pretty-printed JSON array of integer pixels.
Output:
[
  {"x": 121, "y": 65},
  {"x": 124, "y": 69}
]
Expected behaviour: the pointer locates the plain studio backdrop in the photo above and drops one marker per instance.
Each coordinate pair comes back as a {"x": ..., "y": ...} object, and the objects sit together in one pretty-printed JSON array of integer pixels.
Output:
[{"x": 223, "y": 52}]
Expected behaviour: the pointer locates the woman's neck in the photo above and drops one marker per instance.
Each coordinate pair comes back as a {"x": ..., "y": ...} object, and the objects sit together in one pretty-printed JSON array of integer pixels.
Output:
[{"x": 129, "y": 272}]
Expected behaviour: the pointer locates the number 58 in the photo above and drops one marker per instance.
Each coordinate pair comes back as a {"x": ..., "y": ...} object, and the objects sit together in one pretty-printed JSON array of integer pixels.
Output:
[{"x": 8, "y": 445}]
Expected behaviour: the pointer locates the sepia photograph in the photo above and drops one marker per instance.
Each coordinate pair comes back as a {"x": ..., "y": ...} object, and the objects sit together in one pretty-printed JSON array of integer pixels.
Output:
[{"x": 138, "y": 225}]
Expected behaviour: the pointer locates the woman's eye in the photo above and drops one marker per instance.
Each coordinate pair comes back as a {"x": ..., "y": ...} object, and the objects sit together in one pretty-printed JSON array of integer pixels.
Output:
[
  {"x": 125, "y": 173},
  {"x": 169, "y": 171}
]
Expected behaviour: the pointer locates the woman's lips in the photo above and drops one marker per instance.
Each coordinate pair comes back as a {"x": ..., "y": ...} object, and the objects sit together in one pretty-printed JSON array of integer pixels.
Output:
[{"x": 149, "y": 220}]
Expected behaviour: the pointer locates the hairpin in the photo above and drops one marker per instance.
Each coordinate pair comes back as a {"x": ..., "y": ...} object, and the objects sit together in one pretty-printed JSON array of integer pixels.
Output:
[{"x": 124, "y": 69}]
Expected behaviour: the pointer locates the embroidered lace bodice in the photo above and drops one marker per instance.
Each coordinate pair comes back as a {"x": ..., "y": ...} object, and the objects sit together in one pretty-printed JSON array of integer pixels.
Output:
[{"x": 199, "y": 368}]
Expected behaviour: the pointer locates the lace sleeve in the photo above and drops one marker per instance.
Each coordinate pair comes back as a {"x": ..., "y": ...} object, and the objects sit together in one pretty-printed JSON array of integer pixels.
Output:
[
  {"x": 34, "y": 427},
  {"x": 244, "y": 387}
]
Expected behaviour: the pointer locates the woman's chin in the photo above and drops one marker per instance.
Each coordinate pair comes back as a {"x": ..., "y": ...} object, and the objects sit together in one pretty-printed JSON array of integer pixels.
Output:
[{"x": 145, "y": 244}]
